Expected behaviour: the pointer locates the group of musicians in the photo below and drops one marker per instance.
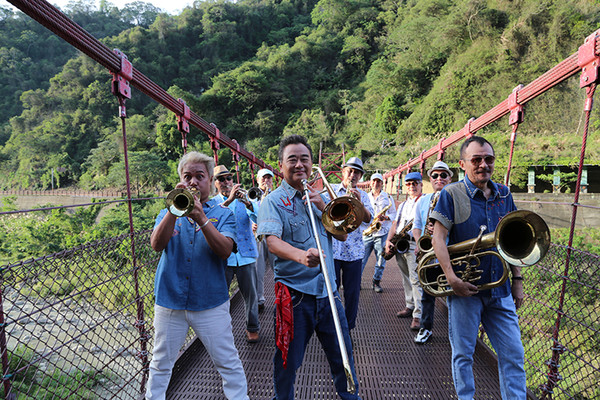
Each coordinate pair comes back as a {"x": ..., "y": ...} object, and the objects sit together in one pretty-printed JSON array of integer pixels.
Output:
[{"x": 230, "y": 234}]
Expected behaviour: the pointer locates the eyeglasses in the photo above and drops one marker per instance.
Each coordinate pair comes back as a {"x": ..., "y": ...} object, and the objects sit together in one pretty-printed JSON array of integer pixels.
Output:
[
  {"x": 412, "y": 183},
  {"x": 225, "y": 178},
  {"x": 476, "y": 160},
  {"x": 442, "y": 175}
]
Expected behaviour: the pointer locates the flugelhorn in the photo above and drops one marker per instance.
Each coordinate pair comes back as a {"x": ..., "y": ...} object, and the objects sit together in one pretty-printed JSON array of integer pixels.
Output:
[
  {"x": 180, "y": 202},
  {"x": 400, "y": 241},
  {"x": 521, "y": 238},
  {"x": 350, "y": 384},
  {"x": 375, "y": 226},
  {"x": 342, "y": 214}
]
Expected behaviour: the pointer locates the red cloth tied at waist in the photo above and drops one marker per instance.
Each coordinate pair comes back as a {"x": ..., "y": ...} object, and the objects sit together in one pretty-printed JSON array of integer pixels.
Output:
[{"x": 284, "y": 320}]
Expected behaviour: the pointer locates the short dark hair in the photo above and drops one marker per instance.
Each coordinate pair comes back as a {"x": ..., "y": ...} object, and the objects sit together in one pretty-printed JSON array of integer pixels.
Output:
[
  {"x": 293, "y": 139},
  {"x": 472, "y": 139}
]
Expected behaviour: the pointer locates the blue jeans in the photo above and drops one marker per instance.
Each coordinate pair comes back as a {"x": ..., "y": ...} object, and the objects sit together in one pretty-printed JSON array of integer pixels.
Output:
[
  {"x": 314, "y": 315},
  {"x": 246, "y": 277},
  {"x": 427, "y": 310},
  {"x": 265, "y": 259},
  {"x": 350, "y": 273},
  {"x": 378, "y": 244},
  {"x": 500, "y": 321}
]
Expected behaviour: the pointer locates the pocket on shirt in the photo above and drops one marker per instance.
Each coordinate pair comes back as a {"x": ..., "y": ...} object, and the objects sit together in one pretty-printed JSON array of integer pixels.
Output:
[{"x": 300, "y": 231}]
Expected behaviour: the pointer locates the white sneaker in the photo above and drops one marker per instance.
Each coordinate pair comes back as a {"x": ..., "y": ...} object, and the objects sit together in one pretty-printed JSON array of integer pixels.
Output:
[{"x": 423, "y": 336}]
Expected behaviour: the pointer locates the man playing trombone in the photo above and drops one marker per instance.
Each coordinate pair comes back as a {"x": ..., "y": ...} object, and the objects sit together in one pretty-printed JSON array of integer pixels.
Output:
[
  {"x": 463, "y": 207},
  {"x": 302, "y": 302}
]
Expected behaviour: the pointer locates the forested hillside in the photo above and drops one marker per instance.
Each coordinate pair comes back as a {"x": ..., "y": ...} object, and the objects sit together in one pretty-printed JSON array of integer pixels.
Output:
[{"x": 385, "y": 79}]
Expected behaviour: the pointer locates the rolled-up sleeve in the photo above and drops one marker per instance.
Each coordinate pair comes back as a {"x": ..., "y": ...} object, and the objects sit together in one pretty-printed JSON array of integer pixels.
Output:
[{"x": 269, "y": 220}]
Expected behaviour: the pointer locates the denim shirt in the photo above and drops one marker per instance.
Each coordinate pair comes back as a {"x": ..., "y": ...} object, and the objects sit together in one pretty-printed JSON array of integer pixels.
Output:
[
  {"x": 284, "y": 214},
  {"x": 246, "y": 243},
  {"x": 190, "y": 276},
  {"x": 422, "y": 208},
  {"x": 462, "y": 208},
  {"x": 353, "y": 248}
]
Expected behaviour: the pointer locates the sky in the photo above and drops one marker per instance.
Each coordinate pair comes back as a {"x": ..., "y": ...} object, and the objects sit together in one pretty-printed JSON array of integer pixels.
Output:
[{"x": 170, "y": 6}]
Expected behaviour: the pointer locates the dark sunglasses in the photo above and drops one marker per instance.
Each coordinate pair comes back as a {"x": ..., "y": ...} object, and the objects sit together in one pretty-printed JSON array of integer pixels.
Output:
[
  {"x": 476, "y": 161},
  {"x": 225, "y": 178},
  {"x": 412, "y": 183},
  {"x": 442, "y": 175}
]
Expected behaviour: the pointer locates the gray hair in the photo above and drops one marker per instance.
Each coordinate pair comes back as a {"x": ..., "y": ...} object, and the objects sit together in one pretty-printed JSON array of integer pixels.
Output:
[{"x": 196, "y": 157}]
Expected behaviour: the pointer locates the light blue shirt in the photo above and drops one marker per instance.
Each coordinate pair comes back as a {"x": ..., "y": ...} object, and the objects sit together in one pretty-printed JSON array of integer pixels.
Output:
[
  {"x": 190, "y": 276},
  {"x": 353, "y": 248},
  {"x": 284, "y": 214},
  {"x": 422, "y": 208},
  {"x": 246, "y": 244}
]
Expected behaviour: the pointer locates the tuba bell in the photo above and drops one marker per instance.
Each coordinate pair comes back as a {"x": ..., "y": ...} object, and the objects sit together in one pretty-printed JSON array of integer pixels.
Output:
[
  {"x": 342, "y": 214},
  {"x": 521, "y": 238},
  {"x": 180, "y": 202}
]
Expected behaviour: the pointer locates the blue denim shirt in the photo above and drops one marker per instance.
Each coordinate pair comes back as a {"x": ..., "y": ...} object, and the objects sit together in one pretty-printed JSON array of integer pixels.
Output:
[
  {"x": 246, "y": 243},
  {"x": 462, "y": 208},
  {"x": 353, "y": 248},
  {"x": 190, "y": 276},
  {"x": 284, "y": 214}
]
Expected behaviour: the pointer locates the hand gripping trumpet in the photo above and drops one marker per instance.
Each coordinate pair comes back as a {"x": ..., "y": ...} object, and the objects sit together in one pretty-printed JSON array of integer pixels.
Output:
[
  {"x": 375, "y": 225},
  {"x": 521, "y": 238},
  {"x": 180, "y": 202},
  {"x": 400, "y": 241},
  {"x": 336, "y": 319}
]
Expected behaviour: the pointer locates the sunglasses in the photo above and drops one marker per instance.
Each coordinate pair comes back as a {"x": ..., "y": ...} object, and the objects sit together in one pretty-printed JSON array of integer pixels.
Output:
[
  {"x": 442, "y": 175},
  {"x": 225, "y": 178},
  {"x": 476, "y": 161},
  {"x": 412, "y": 183}
]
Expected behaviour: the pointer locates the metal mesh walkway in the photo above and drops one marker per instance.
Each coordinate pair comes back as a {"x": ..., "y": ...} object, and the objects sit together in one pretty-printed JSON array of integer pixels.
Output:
[{"x": 389, "y": 364}]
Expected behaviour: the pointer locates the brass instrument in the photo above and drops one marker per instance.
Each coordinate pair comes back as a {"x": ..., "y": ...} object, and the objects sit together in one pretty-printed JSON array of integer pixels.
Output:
[
  {"x": 350, "y": 384},
  {"x": 400, "y": 241},
  {"x": 342, "y": 214},
  {"x": 521, "y": 238},
  {"x": 375, "y": 225},
  {"x": 252, "y": 194},
  {"x": 424, "y": 243},
  {"x": 180, "y": 202}
]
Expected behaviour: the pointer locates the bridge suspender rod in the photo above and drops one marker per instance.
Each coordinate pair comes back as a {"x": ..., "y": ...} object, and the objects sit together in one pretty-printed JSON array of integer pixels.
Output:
[{"x": 50, "y": 17}]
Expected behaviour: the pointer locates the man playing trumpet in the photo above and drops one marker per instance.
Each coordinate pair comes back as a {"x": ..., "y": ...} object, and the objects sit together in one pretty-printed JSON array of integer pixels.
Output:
[{"x": 462, "y": 208}]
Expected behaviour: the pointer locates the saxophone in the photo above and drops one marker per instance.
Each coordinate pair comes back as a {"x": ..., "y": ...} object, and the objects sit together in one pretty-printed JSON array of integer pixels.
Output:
[
  {"x": 375, "y": 225},
  {"x": 400, "y": 241},
  {"x": 424, "y": 244}
]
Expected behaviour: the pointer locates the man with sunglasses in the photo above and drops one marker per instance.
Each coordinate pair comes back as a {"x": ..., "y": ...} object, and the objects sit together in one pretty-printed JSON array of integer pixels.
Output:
[
  {"x": 462, "y": 208},
  {"x": 407, "y": 261},
  {"x": 242, "y": 263},
  {"x": 439, "y": 176}
]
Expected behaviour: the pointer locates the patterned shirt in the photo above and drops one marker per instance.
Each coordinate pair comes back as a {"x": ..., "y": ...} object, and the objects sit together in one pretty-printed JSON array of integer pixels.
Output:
[{"x": 190, "y": 276}]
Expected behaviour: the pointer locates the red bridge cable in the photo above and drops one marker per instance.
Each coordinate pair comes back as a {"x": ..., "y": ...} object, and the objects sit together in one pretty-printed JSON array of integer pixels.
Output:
[{"x": 50, "y": 17}]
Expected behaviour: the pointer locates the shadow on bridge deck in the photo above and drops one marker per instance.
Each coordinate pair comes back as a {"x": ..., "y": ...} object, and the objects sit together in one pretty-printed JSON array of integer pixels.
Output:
[{"x": 389, "y": 364}]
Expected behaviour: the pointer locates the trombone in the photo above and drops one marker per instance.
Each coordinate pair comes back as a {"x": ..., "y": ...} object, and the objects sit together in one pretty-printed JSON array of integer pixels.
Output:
[
  {"x": 521, "y": 238},
  {"x": 336, "y": 319},
  {"x": 180, "y": 202},
  {"x": 343, "y": 214}
]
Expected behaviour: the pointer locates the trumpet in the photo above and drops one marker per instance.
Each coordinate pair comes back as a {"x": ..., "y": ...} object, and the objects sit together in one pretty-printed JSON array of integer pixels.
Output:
[
  {"x": 375, "y": 226},
  {"x": 521, "y": 238},
  {"x": 350, "y": 384},
  {"x": 252, "y": 194},
  {"x": 180, "y": 202},
  {"x": 342, "y": 214},
  {"x": 400, "y": 241}
]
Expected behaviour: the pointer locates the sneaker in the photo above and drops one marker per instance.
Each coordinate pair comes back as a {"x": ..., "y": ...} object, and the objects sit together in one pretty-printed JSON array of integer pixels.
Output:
[
  {"x": 376, "y": 287},
  {"x": 423, "y": 336},
  {"x": 415, "y": 324}
]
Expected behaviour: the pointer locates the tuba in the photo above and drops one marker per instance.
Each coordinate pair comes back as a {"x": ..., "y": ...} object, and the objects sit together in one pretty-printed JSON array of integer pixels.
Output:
[
  {"x": 342, "y": 214},
  {"x": 400, "y": 240},
  {"x": 521, "y": 238},
  {"x": 180, "y": 202},
  {"x": 375, "y": 226}
]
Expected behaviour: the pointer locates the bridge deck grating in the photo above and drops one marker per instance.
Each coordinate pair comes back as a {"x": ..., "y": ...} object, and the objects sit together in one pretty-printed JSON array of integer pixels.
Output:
[{"x": 389, "y": 364}]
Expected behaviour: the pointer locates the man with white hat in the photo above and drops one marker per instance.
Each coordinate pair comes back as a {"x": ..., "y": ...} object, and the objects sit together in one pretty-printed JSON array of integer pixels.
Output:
[
  {"x": 348, "y": 255},
  {"x": 264, "y": 177},
  {"x": 406, "y": 261},
  {"x": 439, "y": 176},
  {"x": 376, "y": 240}
]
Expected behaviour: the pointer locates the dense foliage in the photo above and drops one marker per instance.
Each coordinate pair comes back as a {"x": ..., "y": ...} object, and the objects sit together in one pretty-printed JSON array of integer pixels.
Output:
[{"x": 384, "y": 79}]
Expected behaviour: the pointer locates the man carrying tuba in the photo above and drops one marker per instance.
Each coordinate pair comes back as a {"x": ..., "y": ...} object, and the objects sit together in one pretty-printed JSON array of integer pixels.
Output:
[{"x": 462, "y": 208}]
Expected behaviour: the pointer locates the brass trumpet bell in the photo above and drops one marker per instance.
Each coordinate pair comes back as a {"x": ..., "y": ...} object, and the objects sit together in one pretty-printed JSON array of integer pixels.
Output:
[
  {"x": 180, "y": 202},
  {"x": 521, "y": 238},
  {"x": 254, "y": 193}
]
